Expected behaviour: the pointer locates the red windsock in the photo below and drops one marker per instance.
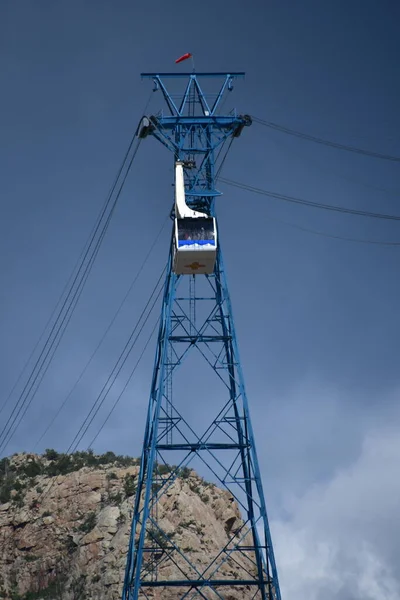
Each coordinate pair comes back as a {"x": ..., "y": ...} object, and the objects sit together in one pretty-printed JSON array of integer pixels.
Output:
[{"x": 184, "y": 57}]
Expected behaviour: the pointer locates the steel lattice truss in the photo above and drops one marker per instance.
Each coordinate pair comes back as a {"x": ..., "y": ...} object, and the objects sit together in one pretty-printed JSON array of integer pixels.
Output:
[
  {"x": 194, "y": 131},
  {"x": 204, "y": 424}
]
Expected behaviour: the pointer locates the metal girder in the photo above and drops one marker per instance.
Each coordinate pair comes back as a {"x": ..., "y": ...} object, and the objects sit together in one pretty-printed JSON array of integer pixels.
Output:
[
  {"x": 214, "y": 435},
  {"x": 195, "y": 132}
]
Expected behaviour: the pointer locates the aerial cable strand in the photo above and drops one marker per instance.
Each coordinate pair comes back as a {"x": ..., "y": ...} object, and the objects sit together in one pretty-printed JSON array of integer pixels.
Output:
[
  {"x": 126, "y": 384},
  {"x": 36, "y": 382},
  {"x": 325, "y": 142},
  {"x": 331, "y": 171},
  {"x": 63, "y": 404},
  {"x": 37, "y": 343},
  {"x": 51, "y": 344},
  {"x": 74, "y": 291},
  {"x": 79, "y": 262},
  {"x": 221, "y": 165},
  {"x": 303, "y": 202},
  {"x": 114, "y": 373},
  {"x": 67, "y": 285},
  {"x": 118, "y": 365},
  {"x": 332, "y": 236}
]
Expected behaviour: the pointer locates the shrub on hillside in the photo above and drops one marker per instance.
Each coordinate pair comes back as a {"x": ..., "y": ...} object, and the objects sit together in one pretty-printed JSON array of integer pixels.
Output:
[
  {"x": 51, "y": 454},
  {"x": 89, "y": 523},
  {"x": 5, "y": 491},
  {"x": 32, "y": 468},
  {"x": 129, "y": 485}
]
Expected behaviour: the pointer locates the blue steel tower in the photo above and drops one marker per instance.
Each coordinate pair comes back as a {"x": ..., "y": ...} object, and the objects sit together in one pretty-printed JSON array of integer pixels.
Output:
[{"x": 196, "y": 425}]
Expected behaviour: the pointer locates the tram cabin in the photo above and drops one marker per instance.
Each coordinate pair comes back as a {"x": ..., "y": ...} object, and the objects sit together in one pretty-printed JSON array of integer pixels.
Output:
[{"x": 195, "y": 246}]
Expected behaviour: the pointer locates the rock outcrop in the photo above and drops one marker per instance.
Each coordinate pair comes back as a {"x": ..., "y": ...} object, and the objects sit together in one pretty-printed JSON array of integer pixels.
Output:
[{"x": 64, "y": 529}]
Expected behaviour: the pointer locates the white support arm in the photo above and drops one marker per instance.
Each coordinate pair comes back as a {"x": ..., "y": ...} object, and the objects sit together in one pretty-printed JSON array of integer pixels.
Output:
[{"x": 181, "y": 208}]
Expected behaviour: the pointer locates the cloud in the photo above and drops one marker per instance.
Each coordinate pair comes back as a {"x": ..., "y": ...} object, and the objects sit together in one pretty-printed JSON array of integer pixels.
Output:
[{"x": 342, "y": 537}]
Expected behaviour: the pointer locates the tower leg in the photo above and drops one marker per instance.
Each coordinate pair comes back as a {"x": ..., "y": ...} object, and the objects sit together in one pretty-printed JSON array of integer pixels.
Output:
[{"x": 214, "y": 436}]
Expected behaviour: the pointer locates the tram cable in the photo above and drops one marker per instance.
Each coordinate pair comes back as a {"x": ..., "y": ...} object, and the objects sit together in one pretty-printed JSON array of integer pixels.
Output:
[
  {"x": 221, "y": 164},
  {"x": 58, "y": 303},
  {"x": 68, "y": 306},
  {"x": 306, "y": 229},
  {"x": 328, "y": 169},
  {"x": 64, "y": 315},
  {"x": 126, "y": 384},
  {"x": 333, "y": 236},
  {"x": 7, "y": 399},
  {"x": 99, "y": 401},
  {"x": 123, "y": 357},
  {"x": 330, "y": 143},
  {"x": 49, "y": 357},
  {"x": 303, "y": 202},
  {"x": 111, "y": 323}
]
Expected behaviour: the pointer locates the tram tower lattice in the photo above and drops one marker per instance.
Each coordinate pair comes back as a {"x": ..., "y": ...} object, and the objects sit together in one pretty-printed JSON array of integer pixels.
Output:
[{"x": 198, "y": 425}]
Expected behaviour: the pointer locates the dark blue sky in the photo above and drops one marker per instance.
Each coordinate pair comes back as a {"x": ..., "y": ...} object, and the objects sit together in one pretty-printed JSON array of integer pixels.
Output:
[{"x": 317, "y": 318}]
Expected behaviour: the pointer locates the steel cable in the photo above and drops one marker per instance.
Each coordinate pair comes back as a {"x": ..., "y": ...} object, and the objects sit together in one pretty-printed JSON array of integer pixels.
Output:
[
  {"x": 324, "y": 142},
  {"x": 99, "y": 401},
  {"x": 69, "y": 304},
  {"x": 117, "y": 312}
]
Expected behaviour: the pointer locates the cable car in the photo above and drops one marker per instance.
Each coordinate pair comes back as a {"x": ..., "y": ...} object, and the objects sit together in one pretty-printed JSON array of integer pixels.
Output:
[
  {"x": 195, "y": 235},
  {"x": 195, "y": 245}
]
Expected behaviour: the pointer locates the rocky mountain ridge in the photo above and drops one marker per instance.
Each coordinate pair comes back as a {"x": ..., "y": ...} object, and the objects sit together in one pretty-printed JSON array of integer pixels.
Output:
[{"x": 65, "y": 523}]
